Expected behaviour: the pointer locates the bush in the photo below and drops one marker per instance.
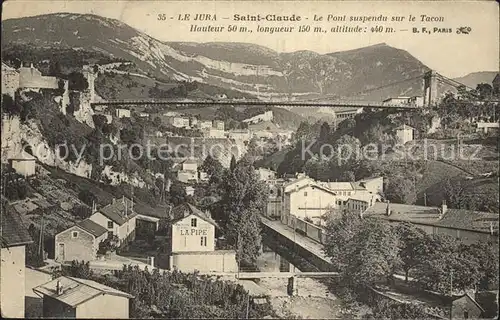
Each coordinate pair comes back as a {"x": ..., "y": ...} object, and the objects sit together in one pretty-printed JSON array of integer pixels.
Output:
[
  {"x": 87, "y": 197},
  {"x": 81, "y": 212}
]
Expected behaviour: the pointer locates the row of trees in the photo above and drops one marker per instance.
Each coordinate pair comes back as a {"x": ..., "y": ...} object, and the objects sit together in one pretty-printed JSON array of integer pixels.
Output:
[{"x": 367, "y": 251}]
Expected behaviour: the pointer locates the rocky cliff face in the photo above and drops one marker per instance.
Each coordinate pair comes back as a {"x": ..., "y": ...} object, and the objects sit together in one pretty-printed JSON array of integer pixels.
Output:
[
  {"x": 16, "y": 135},
  {"x": 245, "y": 67}
]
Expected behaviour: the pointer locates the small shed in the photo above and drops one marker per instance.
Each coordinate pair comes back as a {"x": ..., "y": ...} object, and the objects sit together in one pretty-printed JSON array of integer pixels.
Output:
[{"x": 68, "y": 297}]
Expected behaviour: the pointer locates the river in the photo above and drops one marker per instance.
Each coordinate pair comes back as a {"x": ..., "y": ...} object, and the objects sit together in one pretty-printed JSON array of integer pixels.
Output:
[{"x": 312, "y": 299}]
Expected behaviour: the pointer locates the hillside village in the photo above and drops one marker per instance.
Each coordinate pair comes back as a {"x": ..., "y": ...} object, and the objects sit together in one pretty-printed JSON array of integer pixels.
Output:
[{"x": 206, "y": 231}]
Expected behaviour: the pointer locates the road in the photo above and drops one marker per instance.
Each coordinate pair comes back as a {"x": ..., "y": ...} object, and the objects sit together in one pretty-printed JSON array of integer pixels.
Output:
[{"x": 302, "y": 241}]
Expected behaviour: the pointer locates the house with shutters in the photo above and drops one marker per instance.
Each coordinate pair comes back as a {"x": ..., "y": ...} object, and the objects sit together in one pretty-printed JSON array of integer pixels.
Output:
[
  {"x": 79, "y": 242},
  {"x": 118, "y": 218},
  {"x": 14, "y": 238}
]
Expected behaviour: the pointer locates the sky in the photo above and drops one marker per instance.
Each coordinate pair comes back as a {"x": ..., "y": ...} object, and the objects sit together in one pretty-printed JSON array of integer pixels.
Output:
[{"x": 450, "y": 54}]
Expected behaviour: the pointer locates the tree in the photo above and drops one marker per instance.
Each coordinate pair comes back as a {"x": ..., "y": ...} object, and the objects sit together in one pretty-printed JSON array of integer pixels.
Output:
[
  {"x": 401, "y": 190},
  {"x": 339, "y": 234},
  {"x": 10, "y": 106},
  {"x": 485, "y": 255},
  {"x": 157, "y": 122},
  {"x": 213, "y": 169},
  {"x": 177, "y": 193},
  {"x": 55, "y": 68},
  {"x": 347, "y": 176},
  {"x": 374, "y": 254},
  {"x": 324, "y": 131},
  {"x": 244, "y": 199},
  {"x": 446, "y": 262},
  {"x": 99, "y": 121},
  {"x": 232, "y": 165},
  {"x": 485, "y": 90},
  {"x": 76, "y": 81},
  {"x": 413, "y": 246}
]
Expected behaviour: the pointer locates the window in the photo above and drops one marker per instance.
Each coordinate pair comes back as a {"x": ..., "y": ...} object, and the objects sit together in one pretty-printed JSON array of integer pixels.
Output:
[
  {"x": 305, "y": 194},
  {"x": 193, "y": 222},
  {"x": 110, "y": 224},
  {"x": 466, "y": 314},
  {"x": 203, "y": 241},
  {"x": 74, "y": 234},
  {"x": 110, "y": 234}
]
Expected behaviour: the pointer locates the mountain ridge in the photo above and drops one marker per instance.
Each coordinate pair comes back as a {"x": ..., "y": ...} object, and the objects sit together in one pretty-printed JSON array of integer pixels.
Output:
[{"x": 245, "y": 67}]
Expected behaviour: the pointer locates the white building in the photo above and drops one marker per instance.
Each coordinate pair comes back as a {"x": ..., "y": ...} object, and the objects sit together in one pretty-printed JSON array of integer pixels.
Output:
[
  {"x": 266, "y": 116},
  {"x": 214, "y": 133},
  {"x": 241, "y": 135},
  {"x": 204, "y": 124},
  {"x": 119, "y": 219},
  {"x": 187, "y": 170},
  {"x": 192, "y": 242},
  {"x": 23, "y": 163},
  {"x": 180, "y": 122},
  {"x": 404, "y": 133},
  {"x": 266, "y": 174},
  {"x": 122, "y": 113},
  {"x": 309, "y": 201},
  {"x": 219, "y": 124},
  {"x": 14, "y": 238}
]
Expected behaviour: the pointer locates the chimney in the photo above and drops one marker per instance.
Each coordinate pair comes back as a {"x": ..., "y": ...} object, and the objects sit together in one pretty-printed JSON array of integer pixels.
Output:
[
  {"x": 444, "y": 208},
  {"x": 59, "y": 289},
  {"x": 114, "y": 200},
  {"x": 388, "y": 209}
]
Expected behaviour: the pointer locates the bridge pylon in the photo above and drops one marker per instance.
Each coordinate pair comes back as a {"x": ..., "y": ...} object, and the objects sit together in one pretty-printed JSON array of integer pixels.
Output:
[{"x": 430, "y": 88}]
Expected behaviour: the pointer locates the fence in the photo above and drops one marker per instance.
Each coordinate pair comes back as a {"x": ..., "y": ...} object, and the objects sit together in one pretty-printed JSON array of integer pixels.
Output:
[{"x": 303, "y": 227}]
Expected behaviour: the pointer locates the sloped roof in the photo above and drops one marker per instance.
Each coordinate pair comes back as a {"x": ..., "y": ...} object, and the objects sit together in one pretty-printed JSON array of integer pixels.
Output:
[
  {"x": 469, "y": 220},
  {"x": 340, "y": 186},
  {"x": 186, "y": 209},
  {"x": 22, "y": 155},
  {"x": 116, "y": 211},
  {"x": 404, "y": 127},
  {"x": 403, "y": 212},
  {"x": 6, "y": 67},
  {"x": 314, "y": 185},
  {"x": 12, "y": 231},
  {"x": 476, "y": 221},
  {"x": 92, "y": 227},
  {"x": 77, "y": 291},
  {"x": 470, "y": 298}
]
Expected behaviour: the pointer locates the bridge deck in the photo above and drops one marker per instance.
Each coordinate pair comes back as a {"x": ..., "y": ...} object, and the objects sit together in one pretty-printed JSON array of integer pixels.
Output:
[
  {"x": 308, "y": 244},
  {"x": 259, "y": 275},
  {"x": 330, "y": 104}
]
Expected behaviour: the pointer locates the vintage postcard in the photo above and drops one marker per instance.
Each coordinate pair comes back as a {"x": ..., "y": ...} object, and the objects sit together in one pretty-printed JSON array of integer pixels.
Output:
[{"x": 250, "y": 159}]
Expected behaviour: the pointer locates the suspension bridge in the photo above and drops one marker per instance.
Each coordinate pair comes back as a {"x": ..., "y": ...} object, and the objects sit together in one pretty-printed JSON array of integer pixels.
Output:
[{"x": 430, "y": 96}]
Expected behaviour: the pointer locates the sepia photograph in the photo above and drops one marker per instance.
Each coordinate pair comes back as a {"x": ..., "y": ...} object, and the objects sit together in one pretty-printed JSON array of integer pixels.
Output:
[{"x": 250, "y": 159}]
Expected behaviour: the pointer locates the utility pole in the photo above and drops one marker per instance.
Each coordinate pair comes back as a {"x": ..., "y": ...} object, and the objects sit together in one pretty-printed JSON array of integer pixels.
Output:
[
  {"x": 248, "y": 304},
  {"x": 40, "y": 243},
  {"x": 451, "y": 283}
]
